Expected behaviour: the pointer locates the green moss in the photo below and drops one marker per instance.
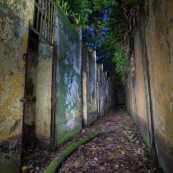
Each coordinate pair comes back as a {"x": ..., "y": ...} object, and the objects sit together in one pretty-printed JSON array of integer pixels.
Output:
[
  {"x": 54, "y": 165},
  {"x": 66, "y": 135},
  {"x": 45, "y": 51}
]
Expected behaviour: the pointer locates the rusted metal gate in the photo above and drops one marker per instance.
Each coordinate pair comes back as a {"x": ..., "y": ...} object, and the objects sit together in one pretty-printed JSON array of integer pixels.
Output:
[{"x": 44, "y": 20}]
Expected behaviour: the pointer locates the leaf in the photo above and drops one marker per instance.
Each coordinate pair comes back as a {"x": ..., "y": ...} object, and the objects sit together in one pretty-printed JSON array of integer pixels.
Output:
[
  {"x": 24, "y": 168},
  {"x": 93, "y": 148},
  {"x": 111, "y": 155},
  {"x": 109, "y": 139},
  {"x": 122, "y": 152}
]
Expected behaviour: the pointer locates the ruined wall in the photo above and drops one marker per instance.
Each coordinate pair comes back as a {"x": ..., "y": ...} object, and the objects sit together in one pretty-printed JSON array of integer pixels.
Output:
[
  {"x": 85, "y": 86},
  {"x": 92, "y": 94},
  {"x": 43, "y": 95},
  {"x": 138, "y": 89},
  {"x": 14, "y": 21},
  {"x": 159, "y": 42},
  {"x": 153, "y": 92},
  {"x": 68, "y": 101},
  {"x": 101, "y": 90},
  {"x": 89, "y": 91},
  {"x": 131, "y": 90},
  {"x": 108, "y": 99}
]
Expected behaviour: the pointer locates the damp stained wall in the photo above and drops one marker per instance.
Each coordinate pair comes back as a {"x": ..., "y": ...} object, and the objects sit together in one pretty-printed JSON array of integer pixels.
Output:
[
  {"x": 43, "y": 95},
  {"x": 107, "y": 93},
  {"x": 131, "y": 91},
  {"x": 154, "y": 82},
  {"x": 101, "y": 90},
  {"x": 30, "y": 83},
  {"x": 85, "y": 86},
  {"x": 68, "y": 80},
  {"x": 159, "y": 42},
  {"x": 138, "y": 89},
  {"x": 14, "y": 21},
  {"x": 92, "y": 93},
  {"x": 89, "y": 91}
]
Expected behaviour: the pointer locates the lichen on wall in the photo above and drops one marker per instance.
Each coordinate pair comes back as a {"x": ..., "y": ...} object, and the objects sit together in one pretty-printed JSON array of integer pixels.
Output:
[
  {"x": 68, "y": 94},
  {"x": 13, "y": 45},
  {"x": 159, "y": 41},
  {"x": 150, "y": 93}
]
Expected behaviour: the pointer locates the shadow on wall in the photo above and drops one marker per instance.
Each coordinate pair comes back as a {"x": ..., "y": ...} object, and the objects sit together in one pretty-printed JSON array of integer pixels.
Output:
[
  {"x": 120, "y": 97},
  {"x": 165, "y": 151}
]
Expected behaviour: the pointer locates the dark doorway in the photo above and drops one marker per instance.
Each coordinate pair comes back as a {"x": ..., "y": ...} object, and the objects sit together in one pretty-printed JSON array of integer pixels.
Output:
[{"x": 30, "y": 91}]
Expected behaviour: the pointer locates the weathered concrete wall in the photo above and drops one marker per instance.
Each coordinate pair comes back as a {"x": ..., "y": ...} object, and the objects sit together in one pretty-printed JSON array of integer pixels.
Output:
[
  {"x": 89, "y": 92},
  {"x": 101, "y": 90},
  {"x": 108, "y": 97},
  {"x": 159, "y": 42},
  {"x": 14, "y": 21},
  {"x": 85, "y": 86},
  {"x": 92, "y": 93},
  {"x": 131, "y": 91},
  {"x": 43, "y": 95},
  {"x": 138, "y": 89},
  {"x": 151, "y": 98},
  {"x": 68, "y": 107}
]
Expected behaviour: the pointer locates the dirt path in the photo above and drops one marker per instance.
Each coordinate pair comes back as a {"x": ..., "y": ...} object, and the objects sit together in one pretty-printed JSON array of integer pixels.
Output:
[{"x": 117, "y": 152}]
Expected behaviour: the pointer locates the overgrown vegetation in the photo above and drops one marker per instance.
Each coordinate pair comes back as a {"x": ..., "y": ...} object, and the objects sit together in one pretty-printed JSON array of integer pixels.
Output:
[{"x": 107, "y": 26}]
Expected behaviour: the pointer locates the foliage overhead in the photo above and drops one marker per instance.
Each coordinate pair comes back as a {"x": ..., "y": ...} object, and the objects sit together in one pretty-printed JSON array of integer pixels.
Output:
[{"x": 107, "y": 26}]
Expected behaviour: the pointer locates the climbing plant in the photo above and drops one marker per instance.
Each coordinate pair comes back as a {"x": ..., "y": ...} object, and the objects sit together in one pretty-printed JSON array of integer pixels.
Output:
[{"x": 76, "y": 11}]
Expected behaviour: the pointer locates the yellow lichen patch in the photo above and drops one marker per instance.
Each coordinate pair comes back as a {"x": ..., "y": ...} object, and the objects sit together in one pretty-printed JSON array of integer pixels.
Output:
[
  {"x": 24, "y": 50},
  {"x": 29, "y": 12},
  {"x": 11, "y": 106}
]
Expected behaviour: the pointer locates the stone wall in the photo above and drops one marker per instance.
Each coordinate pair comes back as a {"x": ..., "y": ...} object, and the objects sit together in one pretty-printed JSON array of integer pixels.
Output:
[{"x": 150, "y": 82}]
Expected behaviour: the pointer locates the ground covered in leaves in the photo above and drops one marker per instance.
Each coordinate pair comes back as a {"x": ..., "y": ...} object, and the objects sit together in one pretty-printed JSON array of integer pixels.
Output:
[{"x": 122, "y": 151}]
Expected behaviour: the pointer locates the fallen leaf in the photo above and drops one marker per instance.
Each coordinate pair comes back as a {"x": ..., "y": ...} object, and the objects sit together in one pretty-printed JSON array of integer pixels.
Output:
[
  {"x": 93, "y": 148},
  {"x": 24, "y": 168},
  {"x": 109, "y": 139},
  {"x": 121, "y": 151},
  {"x": 111, "y": 155}
]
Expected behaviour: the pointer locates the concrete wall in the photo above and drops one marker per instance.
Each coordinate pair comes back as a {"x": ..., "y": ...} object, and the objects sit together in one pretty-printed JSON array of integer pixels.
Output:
[
  {"x": 89, "y": 91},
  {"x": 150, "y": 83},
  {"x": 14, "y": 21},
  {"x": 101, "y": 90},
  {"x": 68, "y": 96},
  {"x": 43, "y": 95}
]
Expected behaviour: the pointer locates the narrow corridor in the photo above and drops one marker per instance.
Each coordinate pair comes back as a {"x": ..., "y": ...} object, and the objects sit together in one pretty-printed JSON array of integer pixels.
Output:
[{"x": 122, "y": 151}]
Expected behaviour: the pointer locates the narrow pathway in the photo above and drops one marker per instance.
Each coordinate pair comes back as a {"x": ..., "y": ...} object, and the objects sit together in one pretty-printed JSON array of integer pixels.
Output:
[
  {"x": 122, "y": 151},
  {"x": 117, "y": 152}
]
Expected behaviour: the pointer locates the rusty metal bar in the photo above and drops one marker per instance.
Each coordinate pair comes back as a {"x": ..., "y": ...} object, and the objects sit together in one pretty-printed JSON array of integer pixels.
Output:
[
  {"x": 44, "y": 20},
  {"x": 37, "y": 20},
  {"x": 53, "y": 98}
]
